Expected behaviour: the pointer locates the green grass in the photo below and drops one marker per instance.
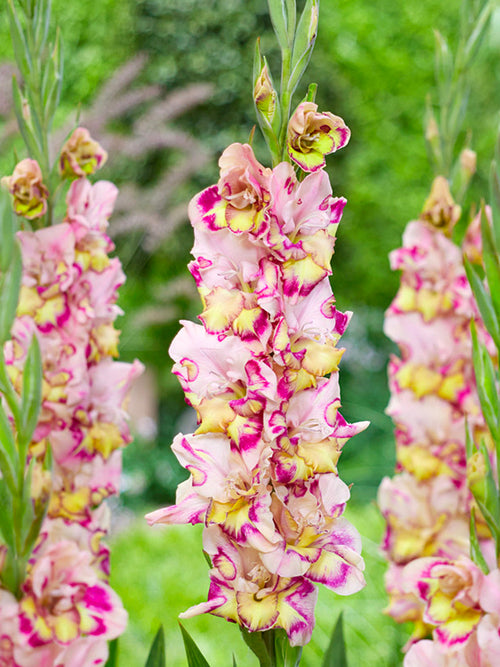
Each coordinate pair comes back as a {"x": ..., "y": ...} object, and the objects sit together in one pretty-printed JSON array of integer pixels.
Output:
[{"x": 161, "y": 572}]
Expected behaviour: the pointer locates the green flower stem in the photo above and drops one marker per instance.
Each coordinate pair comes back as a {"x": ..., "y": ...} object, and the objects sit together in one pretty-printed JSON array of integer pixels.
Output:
[
  {"x": 286, "y": 99},
  {"x": 16, "y": 555},
  {"x": 272, "y": 648},
  {"x": 7, "y": 390}
]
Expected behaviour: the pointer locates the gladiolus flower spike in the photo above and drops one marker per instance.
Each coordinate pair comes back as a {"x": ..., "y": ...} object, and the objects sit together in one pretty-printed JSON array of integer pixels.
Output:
[
  {"x": 261, "y": 371},
  {"x": 262, "y": 374}
]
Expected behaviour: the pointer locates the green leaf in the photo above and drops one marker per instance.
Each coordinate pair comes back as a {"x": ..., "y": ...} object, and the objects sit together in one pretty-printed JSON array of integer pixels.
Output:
[
  {"x": 258, "y": 62},
  {"x": 291, "y": 19},
  {"x": 194, "y": 656},
  {"x": 6, "y": 516},
  {"x": 24, "y": 127},
  {"x": 9, "y": 459},
  {"x": 21, "y": 51},
  {"x": 286, "y": 655},
  {"x": 491, "y": 262},
  {"x": 495, "y": 197},
  {"x": 475, "y": 550},
  {"x": 444, "y": 63},
  {"x": 490, "y": 506},
  {"x": 156, "y": 657},
  {"x": 469, "y": 443},
  {"x": 42, "y": 23},
  {"x": 33, "y": 531},
  {"x": 7, "y": 230},
  {"x": 335, "y": 655},
  {"x": 112, "y": 660},
  {"x": 31, "y": 396},
  {"x": 234, "y": 661},
  {"x": 304, "y": 42},
  {"x": 483, "y": 301},
  {"x": 27, "y": 506},
  {"x": 36, "y": 116},
  {"x": 476, "y": 37},
  {"x": 278, "y": 13},
  {"x": 255, "y": 642},
  {"x": 10, "y": 284},
  {"x": 485, "y": 383},
  {"x": 55, "y": 92}
]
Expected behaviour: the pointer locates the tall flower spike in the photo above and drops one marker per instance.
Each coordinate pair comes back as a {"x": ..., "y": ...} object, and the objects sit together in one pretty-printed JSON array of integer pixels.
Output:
[
  {"x": 262, "y": 374},
  {"x": 433, "y": 393},
  {"x": 262, "y": 370},
  {"x": 68, "y": 301}
]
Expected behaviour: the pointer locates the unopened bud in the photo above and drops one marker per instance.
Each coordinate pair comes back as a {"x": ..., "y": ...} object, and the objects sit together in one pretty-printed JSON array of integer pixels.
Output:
[
  {"x": 27, "y": 189},
  {"x": 26, "y": 111},
  {"x": 476, "y": 475},
  {"x": 468, "y": 162},
  {"x": 313, "y": 25},
  {"x": 264, "y": 94},
  {"x": 440, "y": 209},
  {"x": 432, "y": 129}
]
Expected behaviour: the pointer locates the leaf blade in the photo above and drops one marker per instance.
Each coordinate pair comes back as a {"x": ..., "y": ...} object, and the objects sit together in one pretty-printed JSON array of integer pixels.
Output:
[
  {"x": 194, "y": 656},
  {"x": 335, "y": 655},
  {"x": 156, "y": 657}
]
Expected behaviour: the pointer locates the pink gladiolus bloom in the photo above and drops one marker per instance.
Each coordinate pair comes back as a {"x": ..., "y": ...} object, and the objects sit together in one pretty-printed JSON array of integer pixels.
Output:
[
  {"x": 63, "y": 599},
  {"x": 242, "y": 590},
  {"x": 312, "y": 135},
  {"x": 81, "y": 155}
]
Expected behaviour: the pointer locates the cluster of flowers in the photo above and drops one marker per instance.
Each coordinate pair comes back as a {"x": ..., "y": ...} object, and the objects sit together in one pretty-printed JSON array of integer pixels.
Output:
[
  {"x": 427, "y": 504},
  {"x": 262, "y": 373},
  {"x": 67, "y": 611}
]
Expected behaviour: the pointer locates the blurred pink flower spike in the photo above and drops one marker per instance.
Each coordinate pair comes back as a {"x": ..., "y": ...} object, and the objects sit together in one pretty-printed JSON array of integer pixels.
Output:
[
  {"x": 64, "y": 599},
  {"x": 312, "y": 135}
]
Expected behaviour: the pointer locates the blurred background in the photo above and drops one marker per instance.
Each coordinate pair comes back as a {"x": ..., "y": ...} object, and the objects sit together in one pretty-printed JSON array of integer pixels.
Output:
[{"x": 165, "y": 86}]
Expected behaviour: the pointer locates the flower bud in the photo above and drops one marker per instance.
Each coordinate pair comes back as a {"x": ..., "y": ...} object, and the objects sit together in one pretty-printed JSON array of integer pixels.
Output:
[
  {"x": 431, "y": 129},
  {"x": 476, "y": 475},
  {"x": 440, "y": 210},
  {"x": 26, "y": 187},
  {"x": 81, "y": 155},
  {"x": 468, "y": 162},
  {"x": 312, "y": 135},
  {"x": 264, "y": 95}
]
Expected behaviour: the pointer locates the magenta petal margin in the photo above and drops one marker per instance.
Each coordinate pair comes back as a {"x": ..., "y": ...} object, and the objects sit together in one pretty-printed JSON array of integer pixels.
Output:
[{"x": 261, "y": 372}]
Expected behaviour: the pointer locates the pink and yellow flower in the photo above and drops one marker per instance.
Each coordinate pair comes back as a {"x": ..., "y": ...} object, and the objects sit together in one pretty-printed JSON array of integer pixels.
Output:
[
  {"x": 27, "y": 189},
  {"x": 63, "y": 599},
  {"x": 81, "y": 155},
  {"x": 312, "y": 135}
]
